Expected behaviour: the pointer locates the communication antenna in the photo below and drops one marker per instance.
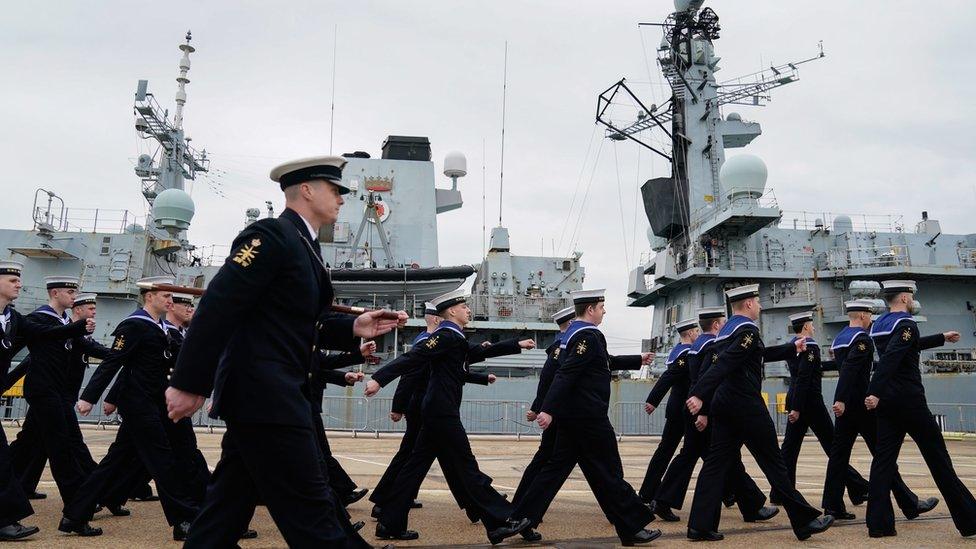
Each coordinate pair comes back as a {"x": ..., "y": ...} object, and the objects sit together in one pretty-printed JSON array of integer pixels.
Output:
[
  {"x": 501, "y": 176},
  {"x": 335, "y": 45}
]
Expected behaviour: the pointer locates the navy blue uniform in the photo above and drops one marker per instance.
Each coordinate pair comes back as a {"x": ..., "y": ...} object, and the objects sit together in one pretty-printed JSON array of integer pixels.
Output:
[
  {"x": 902, "y": 409},
  {"x": 738, "y": 415},
  {"x": 245, "y": 354},
  {"x": 675, "y": 379},
  {"x": 578, "y": 400},
  {"x": 327, "y": 373}
]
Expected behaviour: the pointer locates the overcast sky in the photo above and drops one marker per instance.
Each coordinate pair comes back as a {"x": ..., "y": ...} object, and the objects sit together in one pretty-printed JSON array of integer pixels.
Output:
[{"x": 883, "y": 125}]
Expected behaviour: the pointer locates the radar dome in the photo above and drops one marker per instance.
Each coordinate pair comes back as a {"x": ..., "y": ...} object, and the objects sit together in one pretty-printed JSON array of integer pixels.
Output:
[
  {"x": 734, "y": 117},
  {"x": 843, "y": 224},
  {"x": 455, "y": 164},
  {"x": 743, "y": 176},
  {"x": 173, "y": 210}
]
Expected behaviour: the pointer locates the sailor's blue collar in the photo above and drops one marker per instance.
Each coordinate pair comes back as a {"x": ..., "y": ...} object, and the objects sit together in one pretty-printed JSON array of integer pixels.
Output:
[
  {"x": 700, "y": 343},
  {"x": 734, "y": 323},
  {"x": 420, "y": 337},
  {"x": 810, "y": 340},
  {"x": 846, "y": 337},
  {"x": 49, "y": 311},
  {"x": 142, "y": 314},
  {"x": 448, "y": 325},
  {"x": 678, "y": 350},
  {"x": 887, "y": 322},
  {"x": 574, "y": 327},
  {"x": 6, "y": 311}
]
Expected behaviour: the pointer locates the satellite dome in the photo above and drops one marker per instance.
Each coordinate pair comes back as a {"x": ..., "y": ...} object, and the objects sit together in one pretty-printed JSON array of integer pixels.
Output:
[
  {"x": 734, "y": 117},
  {"x": 743, "y": 175},
  {"x": 843, "y": 224},
  {"x": 173, "y": 210},
  {"x": 455, "y": 164}
]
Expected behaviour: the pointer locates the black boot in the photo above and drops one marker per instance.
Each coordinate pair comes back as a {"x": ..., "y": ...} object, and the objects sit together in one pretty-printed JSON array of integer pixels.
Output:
[
  {"x": 857, "y": 498},
  {"x": 663, "y": 511},
  {"x": 119, "y": 511},
  {"x": 815, "y": 526},
  {"x": 728, "y": 501},
  {"x": 36, "y": 495},
  {"x": 354, "y": 496},
  {"x": 531, "y": 535},
  {"x": 642, "y": 536},
  {"x": 882, "y": 533},
  {"x": 79, "y": 527},
  {"x": 417, "y": 504},
  {"x": 375, "y": 513},
  {"x": 840, "y": 515},
  {"x": 249, "y": 534}
]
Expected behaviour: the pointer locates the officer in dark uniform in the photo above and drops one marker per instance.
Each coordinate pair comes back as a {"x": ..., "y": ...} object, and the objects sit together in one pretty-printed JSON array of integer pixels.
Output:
[
  {"x": 854, "y": 355},
  {"x": 733, "y": 388},
  {"x": 896, "y": 392},
  {"x": 16, "y": 331},
  {"x": 448, "y": 354},
  {"x": 805, "y": 404},
  {"x": 142, "y": 354},
  {"x": 697, "y": 435},
  {"x": 579, "y": 399},
  {"x": 247, "y": 354},
  {"x": 675, "y": 379}
]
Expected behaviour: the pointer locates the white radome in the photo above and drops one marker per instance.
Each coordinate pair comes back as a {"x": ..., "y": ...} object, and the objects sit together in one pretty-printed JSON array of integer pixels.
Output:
[
  {"x": 743, "y": 175},
  {"x": 455, "y": 164}
]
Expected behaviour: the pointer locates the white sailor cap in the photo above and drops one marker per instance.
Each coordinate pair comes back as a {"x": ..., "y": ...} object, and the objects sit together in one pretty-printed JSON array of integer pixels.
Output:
[
  {"x": 742, "y": 292},
  {"x": 709, "y": 313},
  {"x": 429, "y": 309},
  {"x": 84, "y": 299},
  {"x": 11, "y": 268},
  {"x": 448, "y": 300},
  {"x": 53, "y": 282},
  {"x": 859, "y": 306},
  {"x": 686, "y": 324},
  {"x": 898, "y": 286},
  {"x": 146, "y": 284},
  {"x": 799, "y": 319},
  {"x": 581, "y": 297},
  {"x": 298, "y": 171},
  {"x": 563, "y": 315},
  {"x": 185, "y": 299}
]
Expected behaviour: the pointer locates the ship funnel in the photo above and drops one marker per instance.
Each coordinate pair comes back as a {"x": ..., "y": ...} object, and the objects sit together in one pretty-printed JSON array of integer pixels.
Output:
[{"x": 172, "y": 211}]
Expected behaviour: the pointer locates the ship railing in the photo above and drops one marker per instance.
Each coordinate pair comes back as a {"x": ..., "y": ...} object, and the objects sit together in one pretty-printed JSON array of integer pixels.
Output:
[
  {"x": 212, "y": 254},
  {"x": 777, "y": 259},
  {"x": 100, "y": 220},
  {"x": 869, "y": 257},
  {"x": 812, "y": 221},
  {"x": 516, "y": 306},
  {"x": 967, "y": 257},
  {"x": 705, "y": 213}
]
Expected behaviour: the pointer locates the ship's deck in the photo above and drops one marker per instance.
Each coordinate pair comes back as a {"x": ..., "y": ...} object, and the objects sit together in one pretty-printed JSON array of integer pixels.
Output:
[{"x": 574, "y": 519}]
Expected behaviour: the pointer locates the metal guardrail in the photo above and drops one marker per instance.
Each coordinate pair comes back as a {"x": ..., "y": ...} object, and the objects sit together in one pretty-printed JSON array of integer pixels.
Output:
[{"x": 495, "y": 417}]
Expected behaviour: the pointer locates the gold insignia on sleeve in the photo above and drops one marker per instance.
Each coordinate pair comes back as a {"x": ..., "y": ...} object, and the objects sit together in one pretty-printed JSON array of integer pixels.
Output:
[
  {"x": 245, "y": 256},
  {"x": 862, "y": 347},
  {"x": 809, "y": 357},
  {"x": 581, "y": 347},
  {"x": 119, "y": 343},
  {"x": 906, "y": 335},
  {"x": 431, "y": 343},
  {"x": 746, "y": 341},
  {"x": 714, "y": 359},
  {"x": 555, "y": 353},
  {"x": 681, "y": 362}
]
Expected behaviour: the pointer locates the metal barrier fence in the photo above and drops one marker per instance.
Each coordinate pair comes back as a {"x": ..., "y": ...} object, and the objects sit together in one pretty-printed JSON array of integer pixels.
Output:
[{"x": 495, "y": 417}]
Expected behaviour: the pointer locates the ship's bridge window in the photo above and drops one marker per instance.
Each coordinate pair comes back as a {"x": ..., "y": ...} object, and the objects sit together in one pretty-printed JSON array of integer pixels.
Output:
[
  {"x": 106, "y": 245},
  {"x": 567, "y": 265}
]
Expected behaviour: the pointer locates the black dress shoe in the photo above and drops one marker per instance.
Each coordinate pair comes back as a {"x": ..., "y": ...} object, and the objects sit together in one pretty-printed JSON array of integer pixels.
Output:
[
  {"x": 375, "y": 513},
  {"x": 642, "y": 536},
  {"x": 764, "y": 513},
  {"x": 665, "y": 512},
  {"x": 815, "y": 526},
  {"x": 80, "y": 527},
  {"x": 729, "y": 501},
  {"x": 924, "y": 506},
  {"x": 696, "y": 535},
  {"x": 357, "y": 526},
  {"x": 98, "y": 508},
  {"x": 882, "y": 533},
  {"x": 249, "y": 534},
  {"x": 17, "y": 530},
  {"x": 417, "y": 504},
  {"x": 180, "y": 531},
  {"x": 36, "y": 495},
  {"x": 531, "y": 535},
  {"x": 405, "y": 535},
  {"x": 840, "y": 515},
  {"x": 119, "y": 511},
  {"x": 857, "y": 499},
  {"x": 509, "y": 529},
  {"x": 354, "y": 496},
  {"x": 150, "y": 497}
]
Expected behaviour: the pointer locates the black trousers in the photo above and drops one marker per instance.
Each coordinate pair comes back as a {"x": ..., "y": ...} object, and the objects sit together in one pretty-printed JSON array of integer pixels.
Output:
[
  {"x": 142, "y": 434},
  {"x": 674, "y": 486},
  {"x": 56, "y": 427},
  {"x": 592, "y": 444},
  {"x": 893, "y": 424},
  {"x": 670, "y": 438},
  {"x": 279, "y": 466},
  {"x": 815, "y": 417},
  {"x": 14, "y": 505},
  {"x": 856, "y": 421},
  {"x": 729, "y": 434},
  {"x": 27, "y": 451},
  {"x": 444, "y": 439},
  {"x": 340, "y": 481},
  {"x": 384, "y": 488}
]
